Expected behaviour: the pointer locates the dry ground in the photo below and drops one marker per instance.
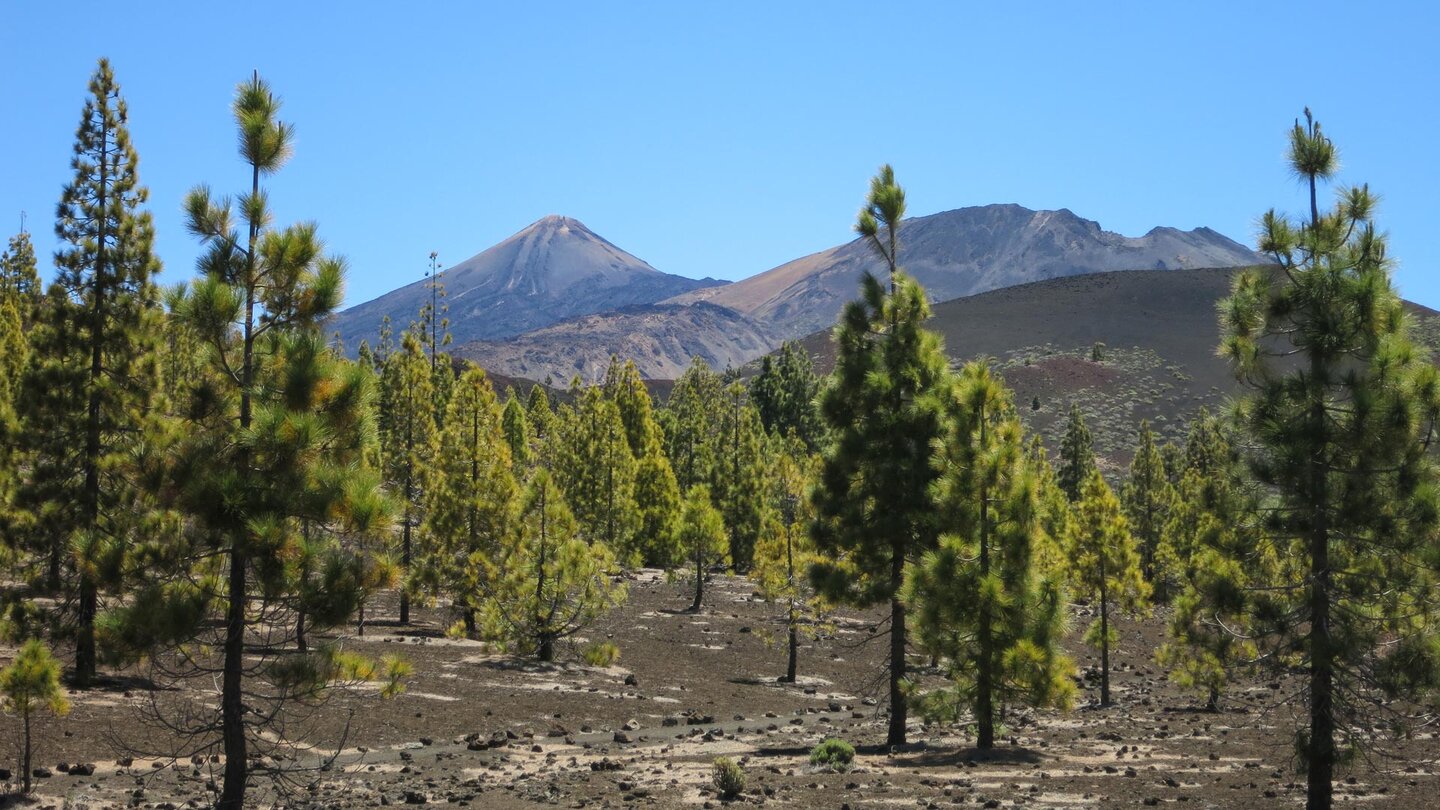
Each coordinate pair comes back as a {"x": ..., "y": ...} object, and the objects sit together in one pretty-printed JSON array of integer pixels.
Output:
[{"x": 702, "y": 686}]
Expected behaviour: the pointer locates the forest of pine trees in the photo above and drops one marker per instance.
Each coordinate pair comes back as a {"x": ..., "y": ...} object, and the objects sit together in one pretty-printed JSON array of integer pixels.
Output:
[{"x": 198, "y": 484}]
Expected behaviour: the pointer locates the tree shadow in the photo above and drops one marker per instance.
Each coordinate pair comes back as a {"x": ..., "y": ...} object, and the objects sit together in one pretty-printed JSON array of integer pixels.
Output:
[{"x": 965, "y": 757}]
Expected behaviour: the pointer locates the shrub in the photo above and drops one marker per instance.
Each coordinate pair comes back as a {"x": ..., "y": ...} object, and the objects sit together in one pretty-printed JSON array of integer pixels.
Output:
[
  {"x": 833, "y": 753},
  {"x": 729, "y": 778},
  {"x": 602, "y": 654}
]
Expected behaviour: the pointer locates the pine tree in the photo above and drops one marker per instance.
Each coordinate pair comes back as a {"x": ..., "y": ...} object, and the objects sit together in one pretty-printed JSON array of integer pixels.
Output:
[
  {"x": 691, "y": 422},
  {"x": 407, "y": 444},
  {"x": 19, "y": 278},
  {"x": 1339, "y": 422},
  {"x": 517, "y": 432},
  {"x": 1147, "y": 497},
  {"x": 979, "y": 600},
  {"x": 786, "y": 393},
  {"x": 1055, "y": 513},
  {"x": 702, "y": 536},
  {"x": 550, "y": 583},
  {"x": 30, "y": 684},
  {"x": 92, "y": 379},
  {"x": 883, "y": 406},
  {"x": 594, "y": 468},
  {"x": 737, "y": 478},
  {"x": 786, "y": 551},
  {"x": 1077, "y": 455},
  {"x": 471, "y": 505},
  {"x": 271, "y": 444},
  {"x": 1106, "y": 567},
  {"x": 657, "y": 493}
]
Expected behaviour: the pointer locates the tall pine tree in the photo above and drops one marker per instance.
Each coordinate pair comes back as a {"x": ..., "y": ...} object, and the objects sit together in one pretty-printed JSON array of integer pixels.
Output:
[
  {"x": 92, "y": 378},
  {"x": 1105, "y": 567},
  {"x": 884, "y": 408},
  {"x": 1077, "y": 455},
  {"x": 407, "y": 445},
  {"x": 1340, "y": 420},
  {"x": 979, "y": 600}
]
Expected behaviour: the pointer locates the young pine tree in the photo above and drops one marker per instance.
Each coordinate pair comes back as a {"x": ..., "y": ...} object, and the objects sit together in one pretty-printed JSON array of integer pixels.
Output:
[
  {"x": 691, "y": 422},
  {"x": 31, "y": 684},
  {"x": 471, "y": 505},
  {"x": 594, "y": 468},
  {"x": 979, "y": 601},
  {"x": 786, "y": 394},
  {"x": 786, "y": 551},
  {"x": 1340, "y": 420},
  {"x": 1106, "y": 567},
  {"x": 19, "y": 278},
  {"x": 92, "y": 378},
  {"x": 408, "y": 446},
  {"x": 550, "y": 583},
  {"x": 702, "y": 536},
  {"x": 271, "y": 444},
  {"x": 1077, "y": 455},
  {"x": 516, "y": 425},
  {"x": 884, "y": 408},
  {"x": 1147, "y": 497},
  {"x": 657, "y": 493},
  {"x": 737, "y": 479}
]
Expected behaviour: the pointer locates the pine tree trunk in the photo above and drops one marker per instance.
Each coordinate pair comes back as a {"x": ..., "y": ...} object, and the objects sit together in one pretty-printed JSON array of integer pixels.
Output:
[
  {"x": 405, "y": 565},
  {"x": 792, "y": 665},
  {"x": 547, "y": 648},
  {"x": 300, "y": 632},
  {"x": 1321, "y": 754},
  {"x": 898, "y": 710},
  {"x": 232, "y": 710},
  {"x": 1104, "y": 637},
  {"x": 984, "y": 673},
  {"x": 360, "y": 621},
  {"x": 471, "y": 628},
  {"x": 699, "y": 585},
  {"x": 25, "y": 767},
  {"x": 85, "y": 633}
]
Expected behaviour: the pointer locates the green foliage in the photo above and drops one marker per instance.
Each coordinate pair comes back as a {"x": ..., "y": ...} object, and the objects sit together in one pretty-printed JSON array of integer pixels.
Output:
[
  {"x": 702, "y": 537},
  {"x": 833, "y": 753},
  {"x": 1338, "y": 427},
  {"x": 1147, "y": 497},
  {"x": 1077, "y": 455},
  {"x": 29, "y": 685},
  {"x": 884, "y": 408},
  {"x": 979, "y": 601},
  {"x": 737, "y": 479},
  {"x": 408, "y": 437},
  {"x": 1105, "y": 567},
  {"x": 87, "y": 396},
  {"x": 472, "y": 500},
  {"x": 786, "y": 551},
  {"x": 549, "y": 583},
  {"x": 657, "y": 493},
  {"x": 267, "y": 459},
  {"x": 728, "y": 778},
  {"x": 691, "y": 423},
  {"x": 601, "y": 654},
  {"x": 786, "y": 395},
  {"x": 516, "y": 425},
  {"x": 19, "y": 278},
  {"x": 592, "y": 464}
]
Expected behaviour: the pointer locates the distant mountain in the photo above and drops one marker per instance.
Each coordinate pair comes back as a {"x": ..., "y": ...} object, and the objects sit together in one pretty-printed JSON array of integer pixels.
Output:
[
  {"x": 964, "y": 252},
  {"x": 1159, "y": 331},
  {"x": 660, "y": 338},
  {"x": 552, "y": 270}
]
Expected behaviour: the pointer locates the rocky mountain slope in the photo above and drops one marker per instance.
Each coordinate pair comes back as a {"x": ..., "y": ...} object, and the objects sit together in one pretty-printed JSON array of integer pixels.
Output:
[
  {"x": 554, "y": 269},
  {"x": 964, "y": 252},
  {"x": 660, "y": 338}
]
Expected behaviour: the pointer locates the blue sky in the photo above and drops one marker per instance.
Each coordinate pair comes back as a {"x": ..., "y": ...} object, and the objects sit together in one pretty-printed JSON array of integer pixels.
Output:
[{"x": 721, "y": 139}]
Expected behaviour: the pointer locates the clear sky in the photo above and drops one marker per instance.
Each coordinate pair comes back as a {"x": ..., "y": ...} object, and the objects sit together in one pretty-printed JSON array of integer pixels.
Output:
[{"x": 721, "y": 139}]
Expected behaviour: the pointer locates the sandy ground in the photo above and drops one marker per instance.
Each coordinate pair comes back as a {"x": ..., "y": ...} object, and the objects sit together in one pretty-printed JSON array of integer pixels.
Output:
[{"x": 476, "y": 729}]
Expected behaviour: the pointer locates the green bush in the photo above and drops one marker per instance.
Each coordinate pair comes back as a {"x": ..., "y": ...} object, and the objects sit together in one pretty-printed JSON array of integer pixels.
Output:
[
  {"x": 729, "y": 778},
  {"x": 603, "y": 654},
  {"x": 833, "y": 753}
]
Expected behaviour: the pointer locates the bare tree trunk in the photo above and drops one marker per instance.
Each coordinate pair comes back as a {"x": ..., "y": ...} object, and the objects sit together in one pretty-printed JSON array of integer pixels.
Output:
[{"x": 898, "y": 710}]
